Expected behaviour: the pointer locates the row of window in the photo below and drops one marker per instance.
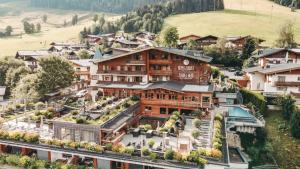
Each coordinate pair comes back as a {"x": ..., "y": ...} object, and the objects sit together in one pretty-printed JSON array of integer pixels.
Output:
[{"x": 123, "y": 68}]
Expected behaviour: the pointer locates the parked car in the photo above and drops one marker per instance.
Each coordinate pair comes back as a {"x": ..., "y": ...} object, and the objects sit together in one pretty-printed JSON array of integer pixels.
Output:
[{"x": 239, "y": 73}]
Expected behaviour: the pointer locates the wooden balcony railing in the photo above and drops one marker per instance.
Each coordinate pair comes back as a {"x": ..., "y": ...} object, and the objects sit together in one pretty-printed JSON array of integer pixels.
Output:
[
  {"x": 286, "y": 83},
  {"x": 184, "y": 104},
  {"x": 160, "y": 61},
  {"x": 121, "y": 72},
  {"x": 136, "y": 62},
  {"x": 161, "y": 72}
]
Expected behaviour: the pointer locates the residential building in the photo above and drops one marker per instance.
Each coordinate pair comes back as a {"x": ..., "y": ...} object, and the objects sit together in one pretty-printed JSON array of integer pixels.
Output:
[
  {"x": 82, "y": 73},
  {"x": 180, "y": 78},
  {"x": 30, "y": 57},
  {"x": 275, "y": 79},
  {"x": 275, "y": 56}
]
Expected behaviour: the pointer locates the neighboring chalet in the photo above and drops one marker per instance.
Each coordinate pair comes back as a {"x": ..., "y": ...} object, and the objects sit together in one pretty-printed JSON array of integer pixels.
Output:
[
  {"x": 98, "y": 39},
  {"x": 30, "y": 57},
  {"x": 82, "y": 73},
  {"x": 236, "y": 42},
  {"x": 144, "y": 36},
  {"x": 269, "y": 57},
  {"x": 165, "y": 79},
  {"x": 127, "y": 43},
  {"x": 275, "y": 80}
]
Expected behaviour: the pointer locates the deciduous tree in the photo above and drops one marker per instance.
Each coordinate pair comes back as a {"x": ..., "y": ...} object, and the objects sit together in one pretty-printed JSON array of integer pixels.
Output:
[{"x": 171, "y": 37}]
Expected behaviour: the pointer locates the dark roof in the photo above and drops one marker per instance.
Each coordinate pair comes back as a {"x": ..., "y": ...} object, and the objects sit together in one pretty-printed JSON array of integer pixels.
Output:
[
  {"x": 208, "y": 36},
  {"x": 127, "y": 42},
  {"x": 269, "y": 51},
  {"x": 198, "y": 55},
  {"x": 274, "y": 69},
  {"x": 180, "y": 87}
]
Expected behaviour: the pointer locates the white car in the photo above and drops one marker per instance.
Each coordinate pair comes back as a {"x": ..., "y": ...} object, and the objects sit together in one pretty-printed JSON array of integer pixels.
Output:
[{"x": 81, "y": 93}]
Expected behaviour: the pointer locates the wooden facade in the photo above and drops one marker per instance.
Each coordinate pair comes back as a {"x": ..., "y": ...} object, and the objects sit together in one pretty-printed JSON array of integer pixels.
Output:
[{"x": 135, "y": 73}]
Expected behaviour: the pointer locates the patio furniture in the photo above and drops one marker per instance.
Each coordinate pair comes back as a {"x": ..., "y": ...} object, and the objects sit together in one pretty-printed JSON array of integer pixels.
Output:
[
  {"x": 149, "y": 134},
  {"x": 136, "y": 132}
]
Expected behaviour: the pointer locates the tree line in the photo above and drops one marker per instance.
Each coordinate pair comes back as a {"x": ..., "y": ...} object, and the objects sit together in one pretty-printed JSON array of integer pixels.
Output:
[
  {"x": 151, "y": 17},
  {"x": 112, "y": 6}
]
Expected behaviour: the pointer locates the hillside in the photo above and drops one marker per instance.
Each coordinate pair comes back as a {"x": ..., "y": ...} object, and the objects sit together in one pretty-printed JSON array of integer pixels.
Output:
[
  {"x": 260, "y": 18},
  {"x": 53, "y": 30}
]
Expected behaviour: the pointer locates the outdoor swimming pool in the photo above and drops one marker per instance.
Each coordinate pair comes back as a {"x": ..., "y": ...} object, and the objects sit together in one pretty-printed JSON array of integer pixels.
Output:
[{"x": 239, "y": 112}]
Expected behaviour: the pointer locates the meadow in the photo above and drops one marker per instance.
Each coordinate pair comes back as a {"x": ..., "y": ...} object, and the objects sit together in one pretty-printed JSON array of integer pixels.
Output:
[
  {"x": 52, "y": 31},
  {"x": 260, "y": 18}
]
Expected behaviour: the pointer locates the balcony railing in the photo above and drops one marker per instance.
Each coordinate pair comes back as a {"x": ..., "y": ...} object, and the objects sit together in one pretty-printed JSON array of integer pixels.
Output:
[
  {"x": 286, "y": 83},
  {"x": 136, "y": 62},
  {"x": 160, "y": 72},
  {"x": 122, "y": 72},
  {"x": 178, "y": 103},
  {"x": 160, "y": 61}
]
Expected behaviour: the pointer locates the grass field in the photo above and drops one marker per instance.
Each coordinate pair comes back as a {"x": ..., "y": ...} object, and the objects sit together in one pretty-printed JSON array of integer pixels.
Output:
[
  {"x": 53, "y": 30},
  {"x": 286, "y": 148},
  {"x": 260, "y": 18}
]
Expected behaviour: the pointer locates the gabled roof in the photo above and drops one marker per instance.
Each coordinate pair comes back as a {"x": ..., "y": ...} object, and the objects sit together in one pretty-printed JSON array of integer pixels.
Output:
[
  {"x": 185, "y": 53},
  {"x": 180, "y": 87},
  {"x": 2, "y": 90},
  {"x": 32, "y": 53},
  {"x": 274, "y": 69},
  {"x": 271, "y": 51},
  {"x": 188, "y": 36},
  {"x": 208, "y": 36},
  {"x": 83, "y": 62},
  {"x": 127, "y": 42}
]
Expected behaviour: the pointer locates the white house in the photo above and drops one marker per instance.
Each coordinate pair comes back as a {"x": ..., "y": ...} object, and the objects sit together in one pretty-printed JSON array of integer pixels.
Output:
[{"x": 2, "y": 93}]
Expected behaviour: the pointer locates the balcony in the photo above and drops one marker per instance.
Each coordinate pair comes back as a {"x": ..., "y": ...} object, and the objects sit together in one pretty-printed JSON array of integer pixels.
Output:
[
  {"x": 116, "y": 82},
  {"x": 161, "y": 72},
  {"x": 82, "y": 72},
  {"x": 136, "y": 62},
  {"x": 286, "y": 83},
  {"x": 161, "y": 61},
  {"x": 176, "y": 103},
  {"x": 121, "y": 72}
]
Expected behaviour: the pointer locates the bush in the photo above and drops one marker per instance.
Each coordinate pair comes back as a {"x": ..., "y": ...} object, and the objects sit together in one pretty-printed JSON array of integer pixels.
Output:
[
  {"x": 145, "y": 151},
  {"x": 117, "y": 148},
  {"x": 147, "y": 127},
  {"x": 153, "y": 156},
  {"x": 12, "y": 160},
  {"x": 169, "y": 154},
  {"x": 25, "y": 161},
  {"x": 178, "y": 156},
  {"x": 202, "y": 161},
  {"x": 16, "y": 135},
  {"x": 151, "y": 143},
  {"x": 193, "y": 156},
  {"x": 218, "y": 117},
  {"x": 197, "y": 123},
  {"x": 216, "y": 153},
  {"x": 3, "y": 134},
  {"x": 295, "y": 124},
  {"x": 196, "y": 134},
  {"x": 80, "y": 120},
  {"x": 31, "y": 137},
  {"x": 254, "y": 98},
  {"x": 109, "y": 146},
  {"x": 129, "y": 150}
]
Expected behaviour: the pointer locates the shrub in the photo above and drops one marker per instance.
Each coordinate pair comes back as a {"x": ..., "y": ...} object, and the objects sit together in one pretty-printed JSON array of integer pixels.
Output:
[
  {"x": 176, "y": 113},
  {"x": 201, "y": 151},
  {"x": 178, "y": 156},
  {"x": 15, "y": 135},
  {"x": 216, "y": 153},
  {"x": 169, "y": 154},
  {"x": 126, "y": 105},
  {"x": 25, "y": 161},
  {"x": 3, "y": 134},
  {"x": 202, "y": 161},
  {"x": 218, "y": 117},
  {"x": 197, "y": 123},
  {"x": 73, "y": 145},
  {"x": 147, "y": 127},
  {"x": 153, "y": 156},
  {"x": 193, "y": 156},
  {"x": 117, "y": 148},
  {"x": 145, "y": 151},
  {"x": 151, "y": 143},
  {"x": 174, "y": 117},
  {"x": 58, "y": 143},
  {"x": 295, "y": 124},
  {"x": 109, "y": 146},
  {"x": 217, "y": 145},
  {"x": 80, "y": 120},
  {"x": 12, "y": 160},
  {"x": 31, "y": 137},
  {"x": 129, "y": 150},
  {"x": 196, "y": 134},
  {"x": 254, "y": 98}
]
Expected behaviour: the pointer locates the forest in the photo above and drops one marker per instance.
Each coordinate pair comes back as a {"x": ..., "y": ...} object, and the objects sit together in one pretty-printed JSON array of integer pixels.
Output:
[
  {"x": 151, "y": 17},
  {"x": 111, "y": 6},
  {"x": 289, "y": 3}
]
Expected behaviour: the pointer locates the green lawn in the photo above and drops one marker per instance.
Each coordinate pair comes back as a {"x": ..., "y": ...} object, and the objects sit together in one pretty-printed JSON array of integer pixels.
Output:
[
  {"x": 260, "y": 18},
  {"x": 286, "y": 148}
]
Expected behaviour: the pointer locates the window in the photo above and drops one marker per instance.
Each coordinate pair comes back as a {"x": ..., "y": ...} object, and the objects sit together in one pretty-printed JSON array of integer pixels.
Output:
[
  {"x": 206, "y": 99},
  {"x": 148, "y": 108},
  {"x": 299, "y": 78},
  {"x": 282, "y": 88},
  {"x": 281, "y": 78},
  {"x": 95, "y": 77}
]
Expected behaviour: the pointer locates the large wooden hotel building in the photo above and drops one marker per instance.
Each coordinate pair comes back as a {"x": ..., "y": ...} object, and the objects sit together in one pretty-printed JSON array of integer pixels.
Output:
[{"x": 165, "y": 79}]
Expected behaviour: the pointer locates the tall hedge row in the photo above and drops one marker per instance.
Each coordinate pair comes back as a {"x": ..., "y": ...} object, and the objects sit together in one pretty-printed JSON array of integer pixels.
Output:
[{"x": 256, "y": 99}]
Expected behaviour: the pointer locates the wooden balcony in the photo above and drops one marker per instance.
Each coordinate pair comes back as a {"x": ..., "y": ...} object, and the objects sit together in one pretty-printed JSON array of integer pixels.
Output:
[
  {"x": 161, "y": 72},
  {"x": 176, "y": 103},
  {"x": 295, "y": 94},
  {"x": 82, "y": 73},
  {"x": 161, "y": 62},
  {"x": 286, "y": 83},
  {"x": 121, "y": 72},
  {"x": 117, "y": 82},
  {"x": 136, "y": 62}
]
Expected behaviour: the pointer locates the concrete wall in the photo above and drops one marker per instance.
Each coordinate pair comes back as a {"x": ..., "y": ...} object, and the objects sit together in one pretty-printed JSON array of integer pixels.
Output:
[
  {"x": 257, "y": 81},
  {"x": 56, "y": 156},
  {"x": 43, "y": 155},
  {"x": 103, "y": 164}
]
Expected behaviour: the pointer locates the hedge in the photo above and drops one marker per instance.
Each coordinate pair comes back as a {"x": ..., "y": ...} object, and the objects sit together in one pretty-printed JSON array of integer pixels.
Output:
[{"x": 256, "y": 99}]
